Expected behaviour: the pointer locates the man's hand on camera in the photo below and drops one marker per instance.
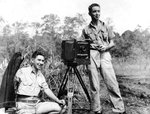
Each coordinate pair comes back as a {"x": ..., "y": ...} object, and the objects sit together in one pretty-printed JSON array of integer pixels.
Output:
[{"x": 102, "y": 48}]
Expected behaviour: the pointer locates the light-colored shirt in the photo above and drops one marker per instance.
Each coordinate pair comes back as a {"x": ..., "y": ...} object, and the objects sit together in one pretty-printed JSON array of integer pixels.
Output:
[
  {"x": 98, "y": 35},
  {"x": 30, "y": 83}
]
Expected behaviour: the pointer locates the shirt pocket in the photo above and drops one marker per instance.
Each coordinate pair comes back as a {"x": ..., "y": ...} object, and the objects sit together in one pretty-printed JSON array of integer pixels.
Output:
[
  {"x": 104, "y": 34},
  {"x": 26, "y": 81},
  {"x": 42, "y": 82},
  {"x": 91, "y": 36}
]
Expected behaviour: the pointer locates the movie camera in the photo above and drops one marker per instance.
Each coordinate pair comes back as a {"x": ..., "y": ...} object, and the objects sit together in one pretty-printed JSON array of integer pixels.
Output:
[
  {"x": 74, "y": 53},
  {"x": 77, "y": 52}
]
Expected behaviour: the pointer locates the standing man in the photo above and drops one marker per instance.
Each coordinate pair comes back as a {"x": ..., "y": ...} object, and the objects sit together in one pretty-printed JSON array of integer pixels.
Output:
[
  {"x": 30, "y": 81},
  {"x": 101, "y": 42}
]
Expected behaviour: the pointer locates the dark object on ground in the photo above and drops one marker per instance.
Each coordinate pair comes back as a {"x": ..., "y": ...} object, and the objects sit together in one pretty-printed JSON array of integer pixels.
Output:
[{"x": 7, "y": 91}]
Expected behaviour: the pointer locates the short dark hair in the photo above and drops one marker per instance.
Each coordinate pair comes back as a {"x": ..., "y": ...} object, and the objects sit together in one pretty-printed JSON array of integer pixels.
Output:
[
  {"x": 91, "y": 6},
  {"x": 36, "y": 53}
]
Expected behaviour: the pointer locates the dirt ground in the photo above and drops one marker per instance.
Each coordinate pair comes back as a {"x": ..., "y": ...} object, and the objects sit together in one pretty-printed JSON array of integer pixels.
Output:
[{"x": 135, "y": 91}]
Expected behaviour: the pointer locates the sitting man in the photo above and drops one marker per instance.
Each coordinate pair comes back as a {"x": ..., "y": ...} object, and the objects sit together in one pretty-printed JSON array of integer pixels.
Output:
[{"x": 30, "y": 82}]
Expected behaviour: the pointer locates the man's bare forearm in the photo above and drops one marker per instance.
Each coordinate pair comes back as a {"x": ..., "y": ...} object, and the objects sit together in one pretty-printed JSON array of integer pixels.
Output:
[
  {"x": 111, "y": 45},
  {"x": 51, "y": 95}
]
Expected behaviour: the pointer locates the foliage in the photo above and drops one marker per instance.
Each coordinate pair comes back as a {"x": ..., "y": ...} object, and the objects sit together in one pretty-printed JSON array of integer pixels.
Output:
[
  {"x": 132, "y": 44},
  {"x": 72, "y": 26},
  {"x": 143, "y": 41},
  {"x": 123, "y": 45},
  {"x": 49, "y": 33}
]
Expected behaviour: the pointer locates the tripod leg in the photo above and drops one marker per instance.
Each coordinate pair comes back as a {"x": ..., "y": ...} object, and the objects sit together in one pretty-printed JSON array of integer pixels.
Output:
[
  {"x": 70, "y": 98},
  {"x": 63, "y": 84},
  {"x": 82, "y": 83},
  {"x": 69, "y": 105}
]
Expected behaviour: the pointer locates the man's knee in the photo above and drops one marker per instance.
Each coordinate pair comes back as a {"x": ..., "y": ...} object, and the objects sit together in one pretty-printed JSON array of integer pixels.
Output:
[{"x": 48, "y": 107}]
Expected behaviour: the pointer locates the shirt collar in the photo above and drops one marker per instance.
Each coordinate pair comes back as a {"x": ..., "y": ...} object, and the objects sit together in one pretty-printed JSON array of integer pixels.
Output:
[
  {"x": 32, "y": 70},
  {"x": 93, "y": 26}
]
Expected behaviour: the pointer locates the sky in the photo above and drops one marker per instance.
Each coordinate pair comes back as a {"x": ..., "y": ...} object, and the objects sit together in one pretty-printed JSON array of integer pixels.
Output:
[{"x": 125, "y": 14}]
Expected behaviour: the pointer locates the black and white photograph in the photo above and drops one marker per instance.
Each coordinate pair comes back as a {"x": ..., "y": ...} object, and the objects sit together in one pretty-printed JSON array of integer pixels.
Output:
[{"x": 74, "y": 57}]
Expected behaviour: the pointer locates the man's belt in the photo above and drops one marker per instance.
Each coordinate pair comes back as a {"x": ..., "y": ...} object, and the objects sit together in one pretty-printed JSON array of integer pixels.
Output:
[
  {"x": 27, "y": 101},
  {"x": 98, "y": 50},
  {"x": 22, "y": 96}
]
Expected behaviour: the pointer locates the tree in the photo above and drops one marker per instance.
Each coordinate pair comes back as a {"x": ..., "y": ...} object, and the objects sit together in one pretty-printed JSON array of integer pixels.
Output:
[
  {"x": 124, "y": 43},
  {"x": 7, "y": 30},
  {"x": 1, "y": 20},
  {"x": 72, "y": 27},
  {"x": 49, "y": 33},
  {"x": 109, "y": 23},
  {"x": 50, "y": 23},
  {"x": 18, "y": 40},
  {"x": 36, "y": 26},
  {"x": 142, "y": 47}
]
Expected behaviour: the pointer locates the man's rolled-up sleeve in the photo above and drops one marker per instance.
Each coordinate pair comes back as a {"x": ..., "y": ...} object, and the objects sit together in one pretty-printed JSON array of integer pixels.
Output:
[
  {"x": 18, "y": 75},
  {"x": 111, "y": 34},
  {"x": 43, "y": 83}
]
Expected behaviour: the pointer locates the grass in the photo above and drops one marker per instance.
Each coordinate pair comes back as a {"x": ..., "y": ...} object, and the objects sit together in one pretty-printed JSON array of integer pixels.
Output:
[{"x": 132, "y": 68}]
